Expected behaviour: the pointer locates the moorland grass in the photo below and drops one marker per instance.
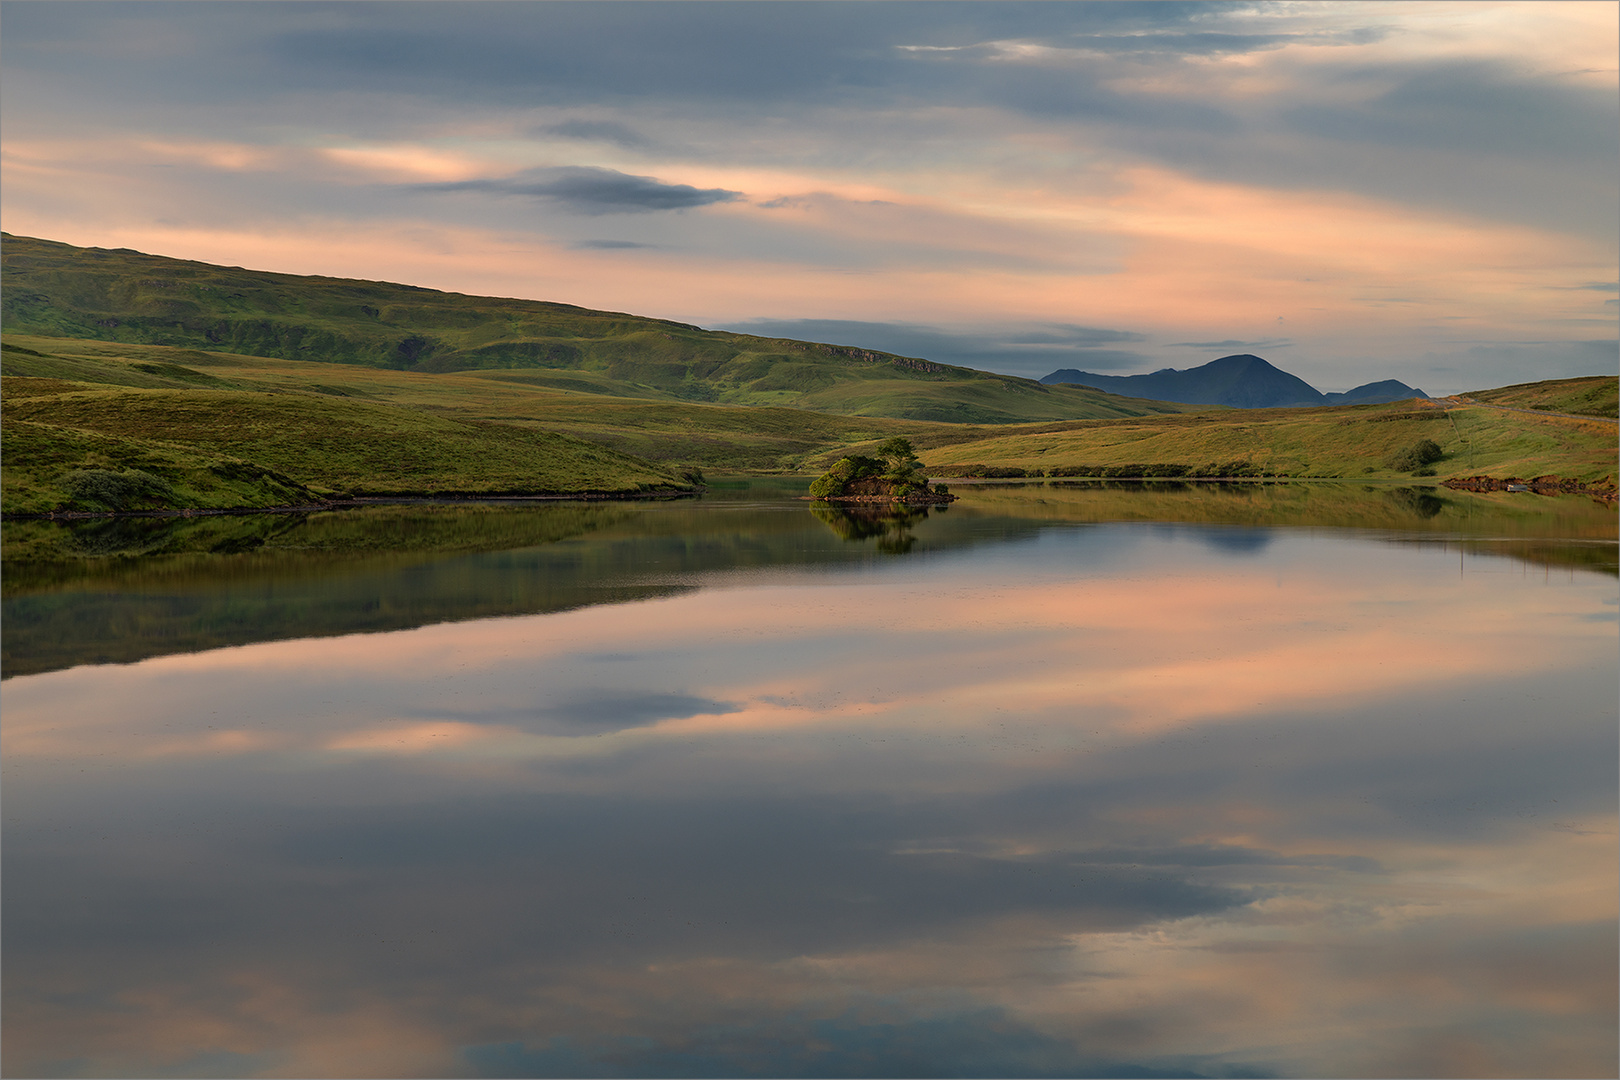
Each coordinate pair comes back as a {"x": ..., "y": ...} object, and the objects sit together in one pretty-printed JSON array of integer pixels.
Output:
[
  {"x": 253, "y": 448},
  {"x": 1342, "y": 442},
  {"x": 59, "y": 290},
  {"x": 1591, "y": 395},
  {"x": 228, "y": 430}
]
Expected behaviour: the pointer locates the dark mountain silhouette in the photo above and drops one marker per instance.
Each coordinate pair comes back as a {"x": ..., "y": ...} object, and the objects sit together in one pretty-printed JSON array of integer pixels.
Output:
[
  {"x": 1374, "y": 393},
  {"x": 1243, "y": 381}
]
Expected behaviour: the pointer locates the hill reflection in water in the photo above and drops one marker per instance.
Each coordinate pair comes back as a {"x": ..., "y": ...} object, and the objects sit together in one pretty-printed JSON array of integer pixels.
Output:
[{"x": 119, "y": 590}]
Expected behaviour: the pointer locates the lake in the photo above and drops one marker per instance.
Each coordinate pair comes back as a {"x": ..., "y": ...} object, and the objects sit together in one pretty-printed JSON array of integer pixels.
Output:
[{"x": 1068, "y": 779}]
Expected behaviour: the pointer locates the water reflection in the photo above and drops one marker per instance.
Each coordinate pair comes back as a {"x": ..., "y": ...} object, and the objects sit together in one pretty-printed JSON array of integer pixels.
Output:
[
  {"x": 891, "y": 525},
  {"x": 1090, "y": 800},
  {"x": 119, "y": 591}
]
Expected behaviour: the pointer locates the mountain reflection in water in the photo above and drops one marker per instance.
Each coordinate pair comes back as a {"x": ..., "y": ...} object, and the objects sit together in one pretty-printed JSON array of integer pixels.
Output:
[{"x": 1043, "y": 797}]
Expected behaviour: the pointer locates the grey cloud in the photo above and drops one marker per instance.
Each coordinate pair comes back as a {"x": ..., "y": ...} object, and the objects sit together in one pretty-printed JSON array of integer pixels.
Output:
[
  {"x": 1599, "y": 286},
  {"x": 1233, "y": 343},
  {"x": 1219, "y": 43},
  {"x": 1473, "y": 107},
  {"x": 1502, "y": 363},
  {"x": 1499, "y": 133},
  {"x": 1102, "y": 359},
  {"x": 1070, "y": 335},
  {"x": 1030, "y": 351},
  {"x": 595, "y": 191},
  {"x": 608, "y": 245},
  {"x": 870, "y": 1041},
  {"x": 598, "y": 130}
]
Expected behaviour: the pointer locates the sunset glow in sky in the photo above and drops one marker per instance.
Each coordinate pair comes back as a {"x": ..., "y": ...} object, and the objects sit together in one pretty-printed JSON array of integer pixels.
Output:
[{"x": 1355, "y": 191}]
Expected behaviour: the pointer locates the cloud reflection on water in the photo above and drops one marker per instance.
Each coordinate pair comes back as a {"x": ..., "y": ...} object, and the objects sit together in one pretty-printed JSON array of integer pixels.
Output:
[{"x": 1066, "y": 807}]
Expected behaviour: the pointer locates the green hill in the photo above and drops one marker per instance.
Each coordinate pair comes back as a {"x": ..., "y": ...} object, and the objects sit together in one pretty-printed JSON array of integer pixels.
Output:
[
  {"x": 97, "y": 434},
  {"x": 1335, "y": 442},
  {"x": 187, "y": 428},
  {"x": 1589, "y": 395},
  {"x": 118, "y": 295},
  {"x": 132, "y": 385}
]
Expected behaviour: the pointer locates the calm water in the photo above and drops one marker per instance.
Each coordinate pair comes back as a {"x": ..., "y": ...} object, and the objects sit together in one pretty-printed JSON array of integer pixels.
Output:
[{"x": 1068, "y": 780}]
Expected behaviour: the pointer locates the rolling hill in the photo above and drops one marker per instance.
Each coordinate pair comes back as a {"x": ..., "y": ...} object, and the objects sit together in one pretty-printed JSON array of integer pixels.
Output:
[
  {"x": 96, "y": 426},
  {"x": 109, "y": 407},
  {"x": 119, "y": 295}
]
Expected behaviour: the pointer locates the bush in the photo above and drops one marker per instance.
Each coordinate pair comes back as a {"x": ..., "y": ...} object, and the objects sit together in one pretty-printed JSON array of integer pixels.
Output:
[
  {"x": 1224, "y": 469},
  {"x": 845, "y": 470},
  {"x": 1414, "y": 457},
  {"x": 103, "y": 489}
]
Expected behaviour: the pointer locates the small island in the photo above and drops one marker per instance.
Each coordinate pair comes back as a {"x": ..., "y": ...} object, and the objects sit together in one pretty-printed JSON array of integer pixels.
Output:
[{"x": 894, "y": 476}]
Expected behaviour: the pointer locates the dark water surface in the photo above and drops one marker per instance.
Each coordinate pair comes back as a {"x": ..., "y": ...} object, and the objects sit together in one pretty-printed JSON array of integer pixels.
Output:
[{"x": 1067, "y": 780}]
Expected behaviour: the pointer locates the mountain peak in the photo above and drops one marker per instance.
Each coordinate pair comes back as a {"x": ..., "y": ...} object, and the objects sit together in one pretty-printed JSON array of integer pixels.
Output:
[{"x": 1241, "y": 380}]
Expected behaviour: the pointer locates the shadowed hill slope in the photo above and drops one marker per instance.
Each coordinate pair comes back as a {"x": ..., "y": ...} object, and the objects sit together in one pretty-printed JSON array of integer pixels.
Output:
[{"x": 59, "y": 290}]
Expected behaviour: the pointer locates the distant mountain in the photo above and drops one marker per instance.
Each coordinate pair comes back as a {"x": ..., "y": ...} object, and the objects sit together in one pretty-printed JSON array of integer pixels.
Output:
[
  {"x": 1374, "y": 393},
  {"x": 1242, "y": 381}
]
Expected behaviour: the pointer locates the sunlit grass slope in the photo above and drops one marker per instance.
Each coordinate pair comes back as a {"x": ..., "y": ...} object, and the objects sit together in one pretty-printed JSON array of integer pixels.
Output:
[
  {"x": 678, "y": 433},
  {"x": 1348, "y": 442},
  {"x": 125, "y": 296},
  {"x": 179, "y": 438},
  {"x": 310, "y": 428},
  {"x": 1593, "y": 395}
]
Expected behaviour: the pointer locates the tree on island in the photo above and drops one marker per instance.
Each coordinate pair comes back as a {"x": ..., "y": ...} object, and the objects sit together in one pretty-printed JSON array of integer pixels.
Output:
[{"x": 901, "y": 456}]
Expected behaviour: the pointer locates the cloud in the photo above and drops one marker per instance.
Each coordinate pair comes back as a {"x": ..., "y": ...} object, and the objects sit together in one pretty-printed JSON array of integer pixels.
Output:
[
  {"x": 598, "y": 131},
  {"x": 1067, "y": 334},
  {"x": 608, "y": 245},
  {"x": 1479, "y": 107},
  {"x": 594, "y": 191},
  {"x": 1027, "y": 350},
  {"x": 1233, "y": 343},
  {"x": 1013, "y": 146},
  {"x": 980, "y": 1042},
  {"x": 1497, "y": 363}
]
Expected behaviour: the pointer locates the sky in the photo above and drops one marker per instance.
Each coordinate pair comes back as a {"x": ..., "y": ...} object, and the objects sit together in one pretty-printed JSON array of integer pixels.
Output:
[{"x": 1355, "y": 191}]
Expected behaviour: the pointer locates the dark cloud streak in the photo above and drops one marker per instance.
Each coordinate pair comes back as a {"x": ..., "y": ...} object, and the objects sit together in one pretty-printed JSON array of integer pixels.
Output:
[
  {"x": 1025, "y": 351},
  {"x": 595, "y": 191}
]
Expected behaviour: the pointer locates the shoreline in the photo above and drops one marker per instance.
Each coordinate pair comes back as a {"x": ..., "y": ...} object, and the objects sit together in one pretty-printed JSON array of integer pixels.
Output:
[{"x": 351, "y": 503}]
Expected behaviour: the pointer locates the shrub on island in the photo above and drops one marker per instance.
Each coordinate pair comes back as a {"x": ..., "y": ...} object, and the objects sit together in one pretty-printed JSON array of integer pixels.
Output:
[{"x": 895, "y": 476}]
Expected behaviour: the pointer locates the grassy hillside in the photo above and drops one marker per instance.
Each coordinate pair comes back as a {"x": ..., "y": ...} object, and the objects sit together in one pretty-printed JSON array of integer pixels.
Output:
[
  {"x": 99, "y": 434},
  {"x": 207, "y": 429},
  {"x": 1593, "y": 395},
  {"x": 125, "y": 296},
  {"x": 681, "y": 434},
  {"x": 1346, "y": 442}
]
